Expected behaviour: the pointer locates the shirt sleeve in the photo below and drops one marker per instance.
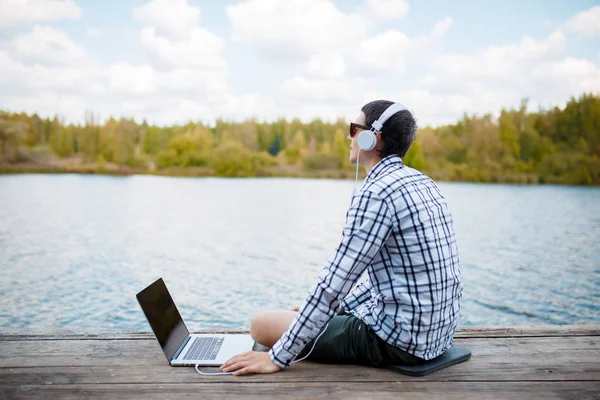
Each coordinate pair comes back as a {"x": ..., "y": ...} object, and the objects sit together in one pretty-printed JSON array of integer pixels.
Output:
[
  {"x": 368, "y": 225},
  {"x": 359, "y": 295}
]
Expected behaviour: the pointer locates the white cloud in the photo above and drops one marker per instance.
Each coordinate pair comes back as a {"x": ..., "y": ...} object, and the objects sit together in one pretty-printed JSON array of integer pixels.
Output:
[
  {"x": 200, "y": 48},
  {"x": 303, "y": 89},
  {"x": 586, "y": 23},
  {"x": 48, "y": 104},
  {"x": 491, "y": 78},
  {"x": 167, "y": 110},
  {"x": 196, "y": 82},
  {"x": 573, "y": 75},
  {"x": 47, "y": 45},
  {"x": 510, "y": 62},
  {"x": 336, "y": 51},
  {"x": 386, "y": 9},
  {"x": 344, "y": 78},
  {"x": 164, "y": 110},
  {"x": 335, "y": 62},
  {"x": 172, "y": 18},
  {"x": 295, "y": 28},
  {"x": 42, "y": 77},
  {"x": 326, "y": 66},
  {"x": 17, "y": 12},
  {"x": 387, "y": 51},
  {"x": 95, "y": 32},
  {"x": 185, "y": 64},
  {"x": 131, "y": 79},
  {"x": 442, "y": 27},
  {"x": 144, "y": 80},
  {"x": 45, "y": 71},
  {"x": 185, "y": 73}
]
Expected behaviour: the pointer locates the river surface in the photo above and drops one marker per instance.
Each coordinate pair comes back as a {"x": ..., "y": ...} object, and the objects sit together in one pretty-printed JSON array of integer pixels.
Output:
[{"x": 75, "y": 249}]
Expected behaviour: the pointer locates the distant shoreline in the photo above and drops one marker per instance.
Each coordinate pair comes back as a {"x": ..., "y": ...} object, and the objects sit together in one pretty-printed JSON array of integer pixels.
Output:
[{"x": 274, "y": 172}]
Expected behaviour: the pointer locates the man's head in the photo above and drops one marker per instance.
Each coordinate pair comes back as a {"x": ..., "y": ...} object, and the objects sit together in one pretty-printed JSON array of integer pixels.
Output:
[{"x": 397, "y": 134}]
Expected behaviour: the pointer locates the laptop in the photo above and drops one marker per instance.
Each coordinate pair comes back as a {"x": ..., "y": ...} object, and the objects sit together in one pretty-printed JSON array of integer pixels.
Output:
[{"x": 180, "y": 347}]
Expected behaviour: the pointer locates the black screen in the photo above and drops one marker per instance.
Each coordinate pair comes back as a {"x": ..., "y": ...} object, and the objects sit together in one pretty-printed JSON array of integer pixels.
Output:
[{"x": 164, "y": 319}]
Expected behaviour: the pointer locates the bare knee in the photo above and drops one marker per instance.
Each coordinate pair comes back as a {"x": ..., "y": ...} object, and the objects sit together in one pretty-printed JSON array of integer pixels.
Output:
[
  {"x": 267, "y": 327},
  {"x": 258, "y": 327}
]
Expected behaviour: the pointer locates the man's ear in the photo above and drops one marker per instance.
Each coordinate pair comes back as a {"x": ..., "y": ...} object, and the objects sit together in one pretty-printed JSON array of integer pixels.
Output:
[{"x": 379, "y": 144}]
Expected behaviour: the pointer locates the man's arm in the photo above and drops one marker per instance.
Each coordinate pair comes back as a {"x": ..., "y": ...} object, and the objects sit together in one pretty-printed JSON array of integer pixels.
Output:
[
  {"x": 368, "y": 225},
  {"x": 359, "y": 295}
]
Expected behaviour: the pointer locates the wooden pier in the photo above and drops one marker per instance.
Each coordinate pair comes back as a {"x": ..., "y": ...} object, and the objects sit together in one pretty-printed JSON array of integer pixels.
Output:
[{"x": 545, "y": 362}]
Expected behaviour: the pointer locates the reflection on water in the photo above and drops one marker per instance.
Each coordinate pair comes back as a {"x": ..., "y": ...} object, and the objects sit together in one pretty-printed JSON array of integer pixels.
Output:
[{"x": 74, "y": 250}]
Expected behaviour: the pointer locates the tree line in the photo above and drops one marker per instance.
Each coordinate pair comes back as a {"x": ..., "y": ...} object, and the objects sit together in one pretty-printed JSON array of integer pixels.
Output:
[{"x": 520, "y": 146}]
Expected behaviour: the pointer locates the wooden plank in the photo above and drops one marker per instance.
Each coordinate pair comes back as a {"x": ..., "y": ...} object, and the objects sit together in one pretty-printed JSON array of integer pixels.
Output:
[
  {"x": 529, "y": 331},
  {"x": 462, "y": 332},
  {"x": 90, "y": 334},
  {"x": 134, "y": 361},
  {"x": 329, "y": 391}
]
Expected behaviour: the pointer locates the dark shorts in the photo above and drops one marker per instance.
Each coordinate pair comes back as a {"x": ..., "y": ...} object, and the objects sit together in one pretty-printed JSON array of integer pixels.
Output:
[{"x": 348, "y": 340}]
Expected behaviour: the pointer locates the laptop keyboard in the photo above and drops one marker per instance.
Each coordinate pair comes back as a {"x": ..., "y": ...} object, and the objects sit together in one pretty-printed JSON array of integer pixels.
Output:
[{"x": 204, "y": 348}]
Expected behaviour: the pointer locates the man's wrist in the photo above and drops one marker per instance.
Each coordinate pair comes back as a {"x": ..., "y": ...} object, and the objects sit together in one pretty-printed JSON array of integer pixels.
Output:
[{"x": 275, "y": 361}]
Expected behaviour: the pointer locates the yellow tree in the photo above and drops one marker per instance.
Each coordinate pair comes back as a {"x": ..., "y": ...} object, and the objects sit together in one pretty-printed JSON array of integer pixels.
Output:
[
  {"x": 249, "y": 135},
  {"x": 414, "y": 157},
  {"x": 341, "y": 148},
  {"x": 89, "y": 138},
  {"x": 126, "y": 140},
  {"x": 107, "y": 139},
  {"x": 296, "y": 149},
  {"x": 203, "y": 139},
  {"x": 11, "y": 136},
  {"x": 60, "y": 138},
  {"x": 509, "y": 134}
]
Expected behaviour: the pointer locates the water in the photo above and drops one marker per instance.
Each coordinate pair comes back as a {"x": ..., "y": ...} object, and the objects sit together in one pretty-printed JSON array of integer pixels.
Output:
[{"x": 75, "y": 249}]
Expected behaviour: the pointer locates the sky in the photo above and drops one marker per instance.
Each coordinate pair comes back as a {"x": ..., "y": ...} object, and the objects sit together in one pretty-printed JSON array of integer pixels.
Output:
[{"x": 173, "y": 61}]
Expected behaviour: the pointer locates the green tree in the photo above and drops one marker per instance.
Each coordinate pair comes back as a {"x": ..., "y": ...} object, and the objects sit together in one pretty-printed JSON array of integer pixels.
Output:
[
  {"x": 295, "y": 151},
  {"x": 509, "y": 134},
  {"x": 232, "y": 159},
  {"x": 11, "y": 135},
  {"x": 126, "y": 142},
  {"x": 414, "y": 157},
  {"x": 341, "y": 149},
  {"x": 61, "y": 139},
  {"x": 89, "y": 139},
  {"x": 249, "y": 135}
]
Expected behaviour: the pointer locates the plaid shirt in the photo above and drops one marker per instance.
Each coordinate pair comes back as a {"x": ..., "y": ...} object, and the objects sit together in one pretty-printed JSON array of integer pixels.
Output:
[{"x": 399, "y": 230}]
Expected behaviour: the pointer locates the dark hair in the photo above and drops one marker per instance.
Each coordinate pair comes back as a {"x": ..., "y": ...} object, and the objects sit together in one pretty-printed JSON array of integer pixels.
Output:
[{"x": 398, "y": 132}]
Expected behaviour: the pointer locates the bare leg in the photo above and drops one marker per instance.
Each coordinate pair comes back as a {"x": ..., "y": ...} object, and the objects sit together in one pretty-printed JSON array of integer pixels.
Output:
[{"x": 267, "y": 327}]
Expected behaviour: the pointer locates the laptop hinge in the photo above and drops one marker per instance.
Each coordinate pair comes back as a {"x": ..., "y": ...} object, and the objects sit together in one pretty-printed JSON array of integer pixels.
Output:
[{"x": 180, "y": 349}]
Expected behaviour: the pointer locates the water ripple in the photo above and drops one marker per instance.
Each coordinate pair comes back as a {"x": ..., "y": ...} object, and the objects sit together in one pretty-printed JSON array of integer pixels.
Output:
[{"x": 74, "y": 250}]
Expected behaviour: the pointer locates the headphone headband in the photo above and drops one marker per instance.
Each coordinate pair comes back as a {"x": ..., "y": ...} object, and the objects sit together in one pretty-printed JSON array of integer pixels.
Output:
[
  {"x": 391, "y": 110},
  {"x": 367, "y": 139}
]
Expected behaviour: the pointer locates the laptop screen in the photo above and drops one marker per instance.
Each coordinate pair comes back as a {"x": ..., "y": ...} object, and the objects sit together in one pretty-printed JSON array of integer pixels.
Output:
[{"x": 164, "y": 319}]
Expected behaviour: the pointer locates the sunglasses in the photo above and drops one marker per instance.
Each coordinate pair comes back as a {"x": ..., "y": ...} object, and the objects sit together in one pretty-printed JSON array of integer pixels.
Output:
[{"x": 354, "y": 127}]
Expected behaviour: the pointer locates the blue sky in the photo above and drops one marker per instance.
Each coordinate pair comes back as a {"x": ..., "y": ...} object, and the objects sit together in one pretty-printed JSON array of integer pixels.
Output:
[{"x": 170, "y": 61}]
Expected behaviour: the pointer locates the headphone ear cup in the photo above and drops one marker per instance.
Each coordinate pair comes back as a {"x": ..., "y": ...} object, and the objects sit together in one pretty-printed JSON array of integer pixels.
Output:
[{"x": 366, "y": 140}]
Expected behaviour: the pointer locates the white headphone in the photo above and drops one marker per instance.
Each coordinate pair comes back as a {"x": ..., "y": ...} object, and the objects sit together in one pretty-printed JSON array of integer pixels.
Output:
[{"x": 367, "y": 139}]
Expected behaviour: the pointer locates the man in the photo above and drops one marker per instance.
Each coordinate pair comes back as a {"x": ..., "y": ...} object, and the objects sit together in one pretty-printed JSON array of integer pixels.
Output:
[{"x": 399, "y": 230}]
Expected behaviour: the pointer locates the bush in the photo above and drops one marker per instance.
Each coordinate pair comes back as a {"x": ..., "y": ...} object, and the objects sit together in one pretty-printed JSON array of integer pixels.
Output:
[
  {"x": 166, "y": 158},
  {"x": 139, "y": 161},
  {"x": 232, "y": 159},
  {"x": 322, "y": 161},
  {"x": 193, "y": 159},
  {"x": 38, "y": 154},
  {"x": 100, "y": 163}
]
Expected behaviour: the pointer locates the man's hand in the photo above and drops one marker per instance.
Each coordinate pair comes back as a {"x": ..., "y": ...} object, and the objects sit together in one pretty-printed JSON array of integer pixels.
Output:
[{"x": 251, "y": 362}]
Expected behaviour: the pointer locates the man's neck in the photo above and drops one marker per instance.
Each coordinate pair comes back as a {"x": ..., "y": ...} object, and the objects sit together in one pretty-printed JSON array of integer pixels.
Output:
[{"x": 370, "y": 163}]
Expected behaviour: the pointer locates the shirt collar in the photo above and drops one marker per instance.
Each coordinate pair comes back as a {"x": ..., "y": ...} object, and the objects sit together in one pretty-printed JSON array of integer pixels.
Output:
[{"x": 382, "y": 165}]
